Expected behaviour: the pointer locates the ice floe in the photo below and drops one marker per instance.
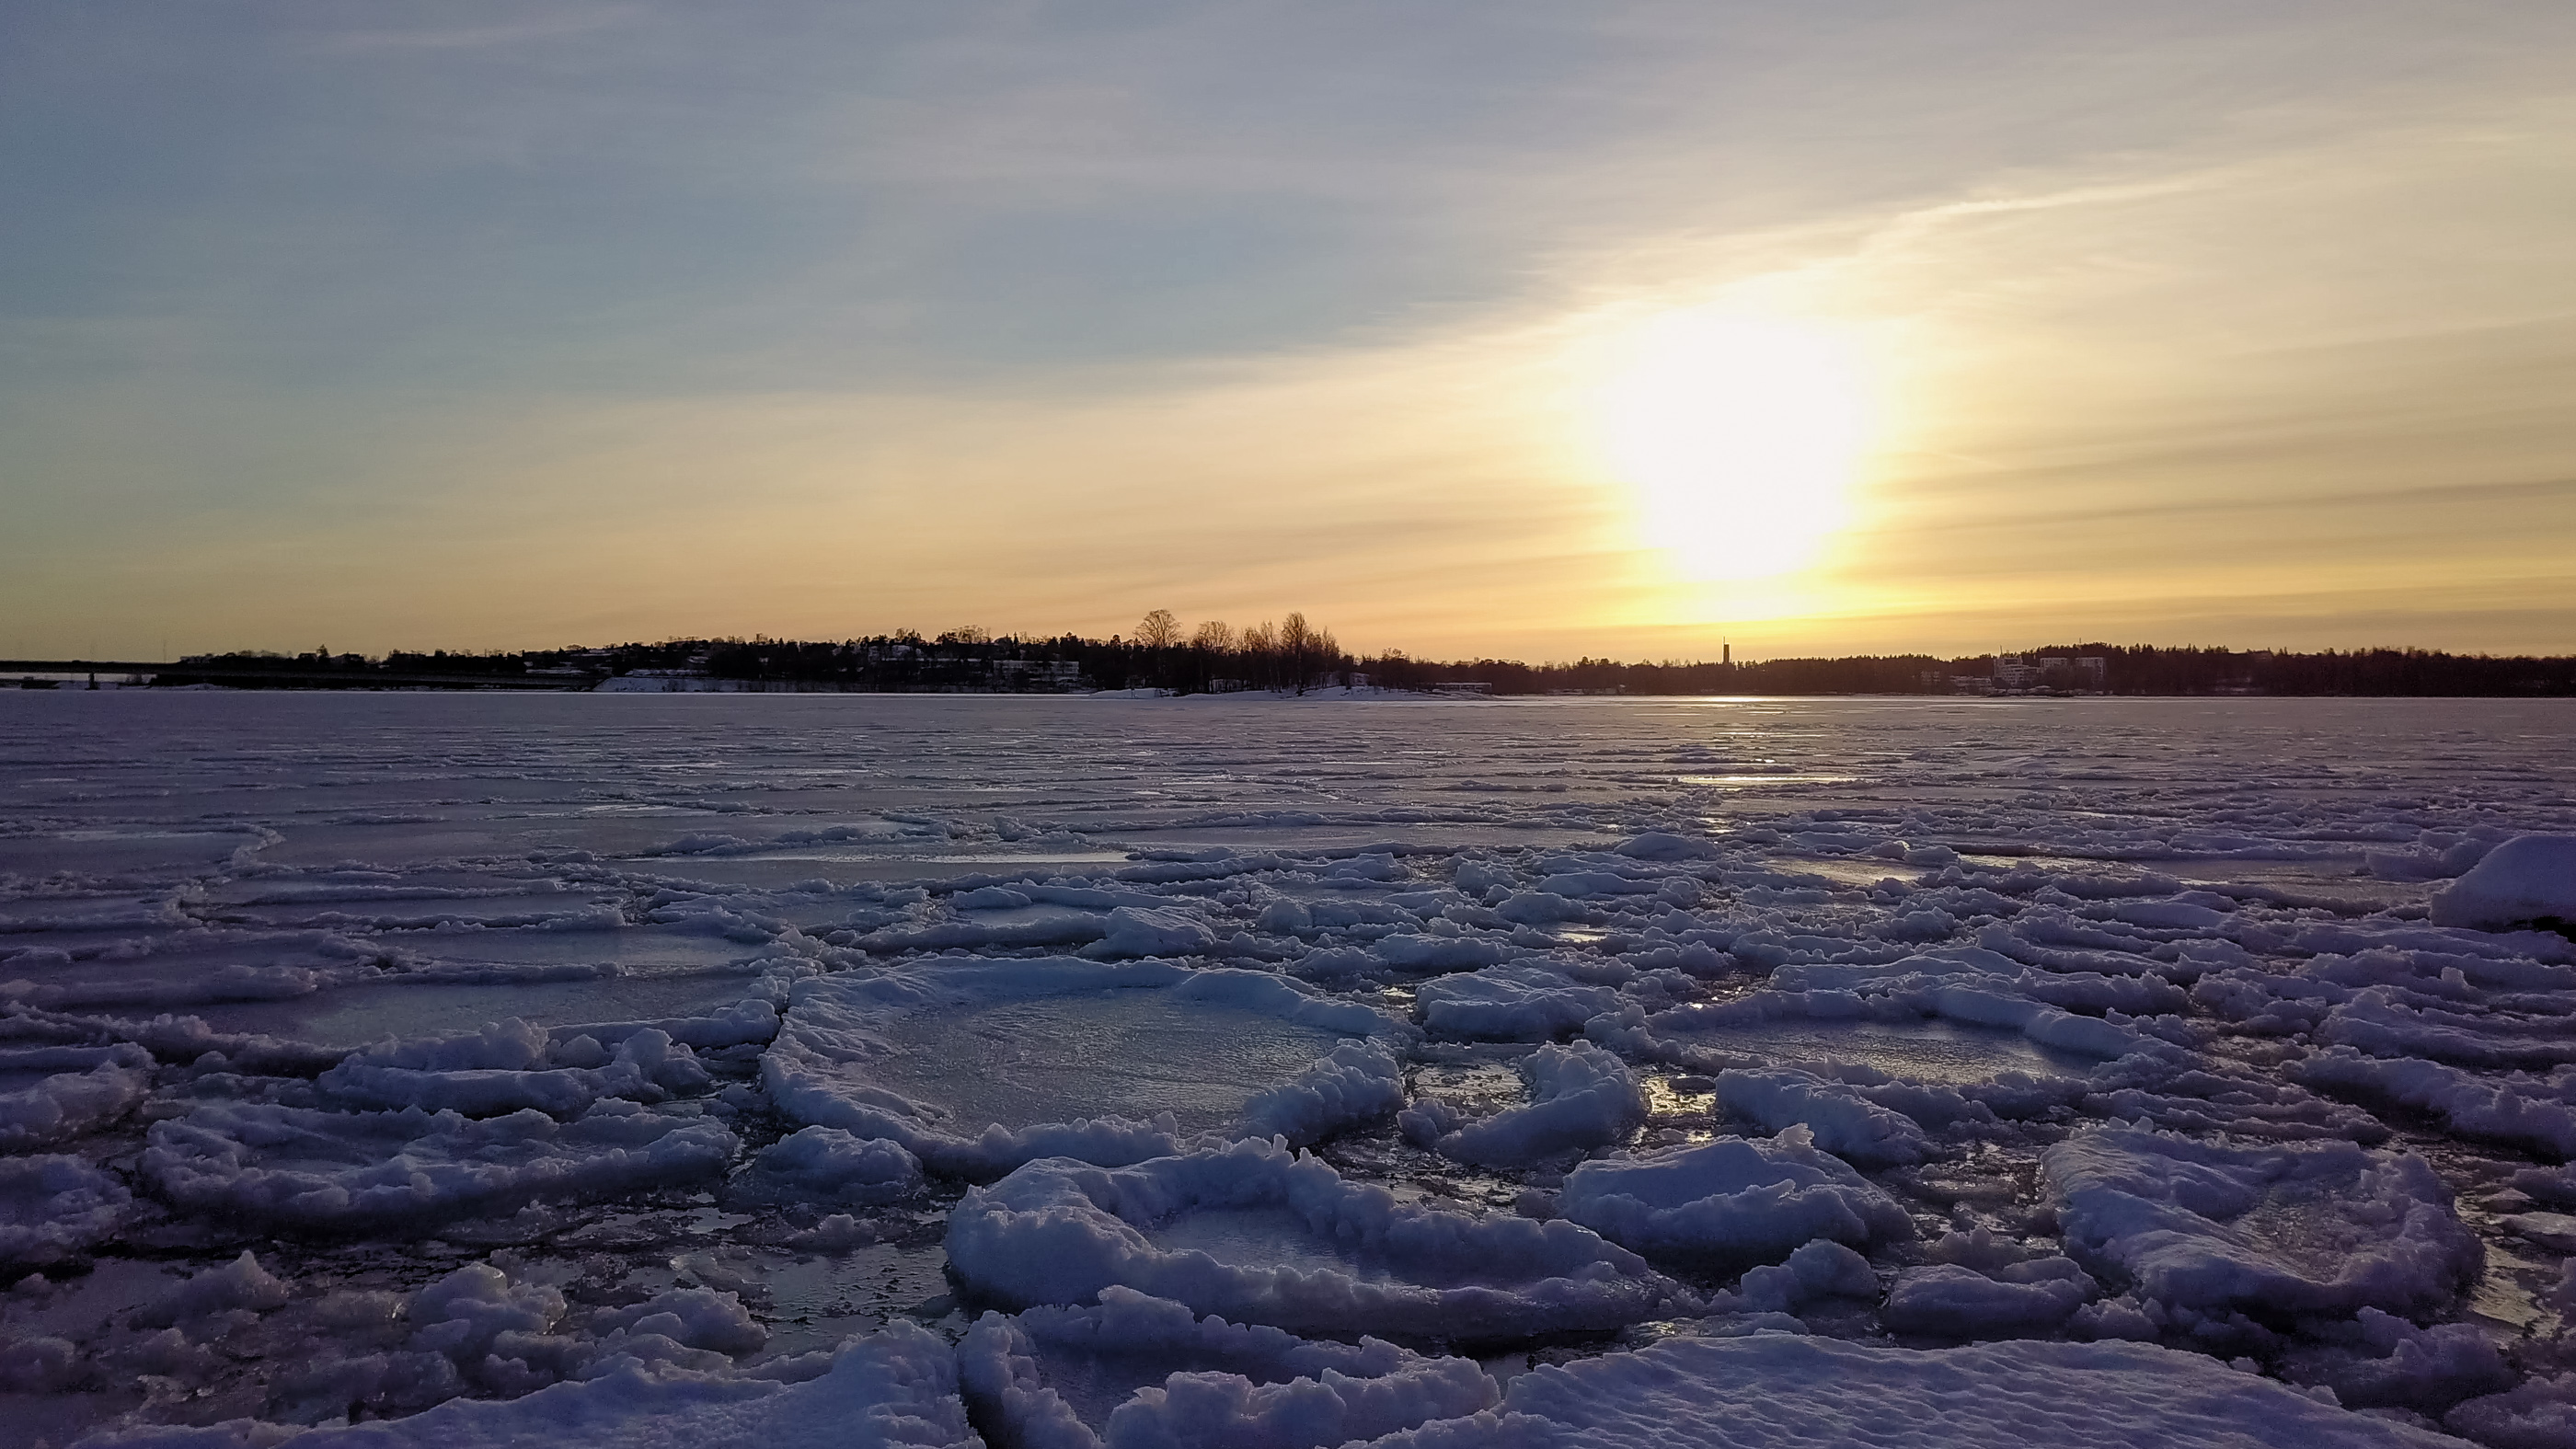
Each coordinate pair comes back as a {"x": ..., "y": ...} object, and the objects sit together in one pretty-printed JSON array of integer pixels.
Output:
[
  {"x": 1732, "y": 1200},
  {"x": 1256, "y": 1234},
  {"x": 2525, "y": 881},
  {"x": 52, "y": 1206},
  {"x": 1772, "y": 1388},
  {"x": 1136, "y": 1370},
  {"x": 382, "y": 1170},
  {"x": 2217, "y": 1228},
  {"x": 976, "y": 1068},
  {"x": 1579, "y": 1097}
]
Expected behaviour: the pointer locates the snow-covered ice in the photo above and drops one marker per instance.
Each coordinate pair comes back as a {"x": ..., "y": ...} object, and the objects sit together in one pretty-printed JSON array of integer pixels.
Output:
[
  {"x": 1733, "y": 1199},
  {"x": 1259, "y": 1235},
  {"x": 389, "y": 1069},
  {"x": 2215, "y": 1227},
  {"x": 2526, "y": 880}
]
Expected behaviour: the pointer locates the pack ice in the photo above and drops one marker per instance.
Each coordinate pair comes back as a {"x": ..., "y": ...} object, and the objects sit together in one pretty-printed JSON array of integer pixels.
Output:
[{"x": 936, "y": 1070}]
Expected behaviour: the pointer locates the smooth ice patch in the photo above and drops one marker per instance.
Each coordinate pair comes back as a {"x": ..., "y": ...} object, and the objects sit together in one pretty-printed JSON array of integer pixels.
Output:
[
  {"x": 356, "y": 1015},
  {"x": 1930, "y": 1050},
  {"x": 1109, "y": 1053},
  {"x": 978, "y": 1068},
  {"x": 1941, "y": 1030}
]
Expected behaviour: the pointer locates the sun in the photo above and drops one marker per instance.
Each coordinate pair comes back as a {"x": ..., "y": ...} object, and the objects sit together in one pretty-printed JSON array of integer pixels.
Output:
[{"x": 1742, "y": 437}]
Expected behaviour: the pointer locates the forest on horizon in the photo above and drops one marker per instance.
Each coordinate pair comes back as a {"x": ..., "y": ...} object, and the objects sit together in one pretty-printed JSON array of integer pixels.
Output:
[{"x": 1296, "y": 656}]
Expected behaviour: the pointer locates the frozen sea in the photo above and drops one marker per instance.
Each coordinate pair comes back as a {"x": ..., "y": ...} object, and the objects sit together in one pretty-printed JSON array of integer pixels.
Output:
[{"x": 1062, "y": 1071}]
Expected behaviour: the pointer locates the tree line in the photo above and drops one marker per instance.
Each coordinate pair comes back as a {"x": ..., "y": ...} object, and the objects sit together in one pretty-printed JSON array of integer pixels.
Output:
[{"x": 1293, "y": 655}]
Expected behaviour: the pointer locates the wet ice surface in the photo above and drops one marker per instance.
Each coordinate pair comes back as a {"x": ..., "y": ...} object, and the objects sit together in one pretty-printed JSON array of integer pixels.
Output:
[
  {"x": 1112, "y": 1053},
  {"x": 1265, "y": 1238},
  {"x": 2045, "y": 1026},
  {"x": 365, "y": 1012},
  {"x": 1924, "y": 1051}
]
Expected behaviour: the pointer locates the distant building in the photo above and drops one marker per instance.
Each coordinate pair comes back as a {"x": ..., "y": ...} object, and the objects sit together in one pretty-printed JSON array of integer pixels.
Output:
[
  {"x": 2023, "y": 673},
  {"x": 1037, "y": 673}
]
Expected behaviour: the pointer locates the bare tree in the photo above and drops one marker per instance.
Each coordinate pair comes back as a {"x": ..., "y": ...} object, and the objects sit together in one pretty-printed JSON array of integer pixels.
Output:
[
  {"x": 1215, "y": 636},
  {"x": 1158, "y": 630},
  {"x": 1297, "y": 650},
  {"x": 1260, "y": 646}
]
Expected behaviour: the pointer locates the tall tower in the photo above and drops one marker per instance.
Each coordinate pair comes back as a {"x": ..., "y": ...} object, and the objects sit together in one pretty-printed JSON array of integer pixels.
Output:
[{"x": 1725, "y": 652}]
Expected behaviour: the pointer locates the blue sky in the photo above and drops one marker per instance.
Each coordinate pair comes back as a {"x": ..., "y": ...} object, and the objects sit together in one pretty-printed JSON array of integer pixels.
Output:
[{"x": 484, "y": 325}]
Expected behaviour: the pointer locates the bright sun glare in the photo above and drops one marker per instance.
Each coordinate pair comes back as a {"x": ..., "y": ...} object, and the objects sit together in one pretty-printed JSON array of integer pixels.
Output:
[{"x": 1742, "y": 436}]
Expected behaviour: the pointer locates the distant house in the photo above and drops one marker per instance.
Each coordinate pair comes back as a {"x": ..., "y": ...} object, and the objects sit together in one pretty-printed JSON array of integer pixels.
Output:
[
  {"x": 1037, "y": 673},
  {"x": 2023, "y": 673}
]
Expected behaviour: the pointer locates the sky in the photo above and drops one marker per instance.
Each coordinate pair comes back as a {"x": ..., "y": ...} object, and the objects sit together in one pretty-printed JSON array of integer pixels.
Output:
[{"x": 1512, "y": 328}]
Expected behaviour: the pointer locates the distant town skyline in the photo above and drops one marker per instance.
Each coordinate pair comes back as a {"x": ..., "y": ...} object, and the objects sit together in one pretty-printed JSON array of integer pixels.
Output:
[{"x": 1510, "y": 330}]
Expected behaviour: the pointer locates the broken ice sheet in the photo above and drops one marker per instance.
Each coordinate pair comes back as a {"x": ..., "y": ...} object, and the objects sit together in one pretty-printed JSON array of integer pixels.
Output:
[{"x": 2190, "y": 868}]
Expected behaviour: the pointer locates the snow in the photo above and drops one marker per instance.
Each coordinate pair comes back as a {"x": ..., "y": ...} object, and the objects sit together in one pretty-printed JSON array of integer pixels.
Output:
[
  {"x": 2515, "y": 1107},
  {"x": 830, "y": 1163},
  {"x": 1327, "y": 1254},
  {"x": 590, "y": 1069},
  {"x": 2531, "y": 878},
  {"x": 298, "y": 1166},
  {"x": 1705, "y": 1393},
  {"x": 1579, "y": 1096},
  {"x": 1836, "y": 1117},
  {"x": 898, "y": 1388},
  {"x": 1948, "y": 1301},
  {"x": 52, "y": 1206},
  {"x": 1749, "y": 1201},
  {"x": 1511, "y": 1003},
  {"x": 1141, "y": 1370},
  {"x": 506, "y": 1067},
  {"x": 2211, "y": 1227},
  {"x": 241, "y": 1283},
  {"x": 74, "y": 1090}
]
